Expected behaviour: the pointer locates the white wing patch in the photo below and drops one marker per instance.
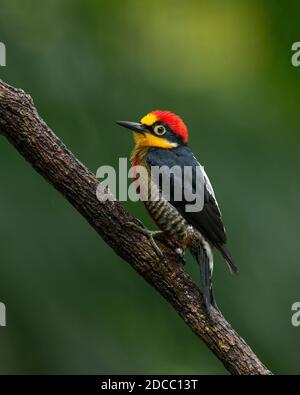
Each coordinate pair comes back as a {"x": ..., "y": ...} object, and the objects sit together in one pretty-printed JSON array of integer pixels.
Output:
[
  {"x": 209, "y": 186},
  {"x": 207, "y": 182}
]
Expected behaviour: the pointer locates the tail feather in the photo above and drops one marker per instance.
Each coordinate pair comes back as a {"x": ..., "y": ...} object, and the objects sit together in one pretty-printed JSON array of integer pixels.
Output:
[
  {"x": 205, "y": 275},
  {"x": 227, "y": 256}
]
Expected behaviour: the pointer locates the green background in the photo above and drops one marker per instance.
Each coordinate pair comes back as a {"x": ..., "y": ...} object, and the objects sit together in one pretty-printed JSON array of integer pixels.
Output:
[{"x": 73, "y": 306}]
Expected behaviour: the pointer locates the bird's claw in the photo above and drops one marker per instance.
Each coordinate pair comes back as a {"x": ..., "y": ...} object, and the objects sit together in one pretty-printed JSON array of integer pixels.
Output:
[
  {"x": 159, "y": 235},
  {"x": 178, "y": 250},
  {"x": 148, "y": 233}
]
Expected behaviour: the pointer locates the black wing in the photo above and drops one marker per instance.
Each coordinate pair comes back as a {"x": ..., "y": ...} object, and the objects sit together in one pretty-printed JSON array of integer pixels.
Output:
[{"x": 208, "y": 220}]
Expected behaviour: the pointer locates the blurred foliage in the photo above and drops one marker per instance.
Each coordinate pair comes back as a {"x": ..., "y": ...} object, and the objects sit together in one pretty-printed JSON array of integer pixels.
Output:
[{"x": 73, "y": 306}]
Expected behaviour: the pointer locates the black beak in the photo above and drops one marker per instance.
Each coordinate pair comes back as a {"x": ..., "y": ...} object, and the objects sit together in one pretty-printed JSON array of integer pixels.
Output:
[{"x": 135, "y": 126}]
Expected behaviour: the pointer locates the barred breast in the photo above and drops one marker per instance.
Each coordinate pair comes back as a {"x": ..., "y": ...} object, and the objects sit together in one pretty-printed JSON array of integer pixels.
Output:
[{"x": 167, "y": 218}]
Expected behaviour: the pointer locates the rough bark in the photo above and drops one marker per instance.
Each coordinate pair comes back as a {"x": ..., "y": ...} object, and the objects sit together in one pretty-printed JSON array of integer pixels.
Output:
[{"x": 22, "y": 126}]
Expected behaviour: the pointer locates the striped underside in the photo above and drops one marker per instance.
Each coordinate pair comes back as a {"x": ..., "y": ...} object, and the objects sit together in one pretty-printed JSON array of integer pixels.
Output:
[{"x": 166, "y": 216}]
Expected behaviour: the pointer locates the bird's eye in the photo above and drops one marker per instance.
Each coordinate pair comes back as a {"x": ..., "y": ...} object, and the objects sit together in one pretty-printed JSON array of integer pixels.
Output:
[{"x": 159, "y": 130}]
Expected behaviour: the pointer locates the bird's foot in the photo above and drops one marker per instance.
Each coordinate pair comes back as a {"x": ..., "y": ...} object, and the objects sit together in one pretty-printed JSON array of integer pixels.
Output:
[
  {"x": 161, "y": 235},
  {"x": 158, "y": 235},
  {"x": 151, "y": 234}
]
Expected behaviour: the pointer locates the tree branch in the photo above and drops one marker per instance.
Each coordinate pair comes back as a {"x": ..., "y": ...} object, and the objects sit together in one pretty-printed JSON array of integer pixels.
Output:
[{"x": 22, "y": 126}]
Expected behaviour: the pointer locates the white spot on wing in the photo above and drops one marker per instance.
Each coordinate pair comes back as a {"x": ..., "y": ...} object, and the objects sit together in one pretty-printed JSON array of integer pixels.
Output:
[{"x": 208, "y": 185}]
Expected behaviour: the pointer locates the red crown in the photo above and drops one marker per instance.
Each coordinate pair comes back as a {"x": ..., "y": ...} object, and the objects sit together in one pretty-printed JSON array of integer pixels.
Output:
[{"x": 174, "y": 122}]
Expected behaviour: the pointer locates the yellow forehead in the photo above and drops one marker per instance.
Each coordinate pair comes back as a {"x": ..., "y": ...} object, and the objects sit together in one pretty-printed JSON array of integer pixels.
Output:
[{"x": 149, "y": 119}]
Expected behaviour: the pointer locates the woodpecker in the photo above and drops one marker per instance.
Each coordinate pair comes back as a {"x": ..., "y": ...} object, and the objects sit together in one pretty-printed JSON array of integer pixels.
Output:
[{"x": 161, "y": 139}]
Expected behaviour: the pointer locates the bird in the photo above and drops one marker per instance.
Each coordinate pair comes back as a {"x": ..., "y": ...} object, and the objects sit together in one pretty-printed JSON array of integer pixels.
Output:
[{"x": 161, "y": 141}]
